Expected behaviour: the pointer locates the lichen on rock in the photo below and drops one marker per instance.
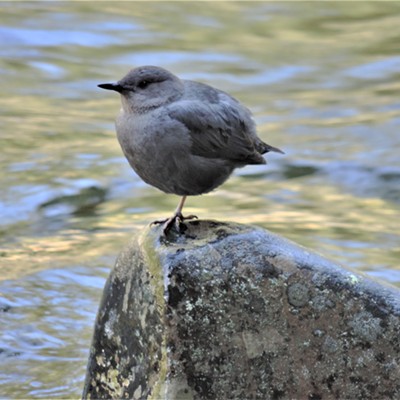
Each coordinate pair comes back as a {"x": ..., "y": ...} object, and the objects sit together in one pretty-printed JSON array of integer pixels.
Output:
[{"x": 223, "y": 310}]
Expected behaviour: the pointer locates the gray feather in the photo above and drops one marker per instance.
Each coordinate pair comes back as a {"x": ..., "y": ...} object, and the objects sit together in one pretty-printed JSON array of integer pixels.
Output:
[
  {"x": 218, "y": 125},
  {"x": 180, "y": 136}
]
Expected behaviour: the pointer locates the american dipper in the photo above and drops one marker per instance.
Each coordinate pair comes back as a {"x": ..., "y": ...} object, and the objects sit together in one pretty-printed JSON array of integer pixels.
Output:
[{"x": 181, "y": 136}]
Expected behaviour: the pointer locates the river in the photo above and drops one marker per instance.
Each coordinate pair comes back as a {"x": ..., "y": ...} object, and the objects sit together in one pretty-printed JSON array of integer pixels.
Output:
[{"x": 322, "y": 80}]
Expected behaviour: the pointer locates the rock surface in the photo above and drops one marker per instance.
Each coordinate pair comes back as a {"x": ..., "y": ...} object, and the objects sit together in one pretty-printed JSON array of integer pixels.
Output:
[{"x": 228, "y": 311}]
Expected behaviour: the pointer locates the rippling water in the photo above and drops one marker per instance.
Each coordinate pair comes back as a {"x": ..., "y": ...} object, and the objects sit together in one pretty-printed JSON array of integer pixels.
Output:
[{"x": 322, "y": 80}]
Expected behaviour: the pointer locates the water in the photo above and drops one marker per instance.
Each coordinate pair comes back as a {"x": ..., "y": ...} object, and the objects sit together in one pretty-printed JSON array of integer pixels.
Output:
[{"x": 321, "y": 80}]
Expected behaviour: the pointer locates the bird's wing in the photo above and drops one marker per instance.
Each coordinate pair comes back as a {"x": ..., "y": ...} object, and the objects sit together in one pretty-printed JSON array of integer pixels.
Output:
[{"x": 218, "y": 130}]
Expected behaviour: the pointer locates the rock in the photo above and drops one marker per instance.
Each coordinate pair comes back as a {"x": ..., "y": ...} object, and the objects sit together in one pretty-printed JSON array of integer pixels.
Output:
[{"x": 229, "y": 311}]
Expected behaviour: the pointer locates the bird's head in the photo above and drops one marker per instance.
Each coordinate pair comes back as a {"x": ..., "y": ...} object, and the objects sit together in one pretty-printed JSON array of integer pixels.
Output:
[{"x": 147, "y": 87}]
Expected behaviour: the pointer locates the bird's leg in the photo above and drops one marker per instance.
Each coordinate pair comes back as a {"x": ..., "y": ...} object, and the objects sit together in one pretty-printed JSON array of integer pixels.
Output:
[
  {"x": 177, "y": 217},
  {"x": 178, "y": 211}
]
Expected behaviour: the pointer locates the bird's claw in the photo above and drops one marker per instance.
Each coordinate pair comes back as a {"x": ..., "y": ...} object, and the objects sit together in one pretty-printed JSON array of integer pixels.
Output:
[
  {"x": 191, "y": 216},
  {"x": 175, "y": 219}
]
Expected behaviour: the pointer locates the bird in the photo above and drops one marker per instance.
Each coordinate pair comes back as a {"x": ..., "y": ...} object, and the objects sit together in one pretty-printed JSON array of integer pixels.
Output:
[{"x": 181, "y": 136}]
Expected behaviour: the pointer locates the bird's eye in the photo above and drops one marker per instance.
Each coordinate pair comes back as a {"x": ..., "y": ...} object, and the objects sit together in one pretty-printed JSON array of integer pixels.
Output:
[{"x": 143, "y": 84}]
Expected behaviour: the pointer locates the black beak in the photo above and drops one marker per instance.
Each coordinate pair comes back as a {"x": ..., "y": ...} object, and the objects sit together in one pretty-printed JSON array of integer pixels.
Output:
[{"x": 111, "y": 86}]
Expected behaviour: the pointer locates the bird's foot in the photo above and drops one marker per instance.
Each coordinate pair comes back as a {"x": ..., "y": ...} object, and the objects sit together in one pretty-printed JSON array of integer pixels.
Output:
[{"x": 176, "y": 219}]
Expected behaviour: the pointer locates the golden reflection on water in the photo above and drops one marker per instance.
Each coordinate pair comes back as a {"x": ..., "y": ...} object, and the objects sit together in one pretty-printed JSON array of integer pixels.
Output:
[
  {"x": 322, "y": 218},
  {"x": 306, "y": 69},
  {"x": 58, "y": 127}
]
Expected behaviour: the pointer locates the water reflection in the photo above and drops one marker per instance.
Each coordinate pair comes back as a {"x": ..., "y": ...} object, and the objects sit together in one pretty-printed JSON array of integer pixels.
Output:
[
  {"x": 49, "y": 319},
  {"x": 321, "y": 81}
]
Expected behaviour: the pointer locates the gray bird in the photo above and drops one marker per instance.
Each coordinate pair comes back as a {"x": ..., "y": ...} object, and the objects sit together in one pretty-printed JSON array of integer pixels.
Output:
[{"x": 181, "y": 136}]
